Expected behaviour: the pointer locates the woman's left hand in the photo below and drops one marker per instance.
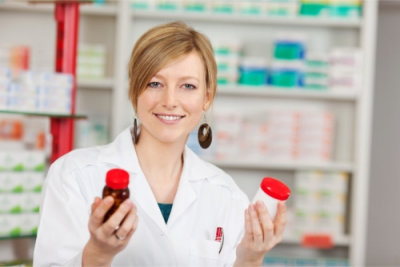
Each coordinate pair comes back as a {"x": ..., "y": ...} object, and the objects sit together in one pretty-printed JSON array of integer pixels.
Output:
[{"x": 261, "y": 233}]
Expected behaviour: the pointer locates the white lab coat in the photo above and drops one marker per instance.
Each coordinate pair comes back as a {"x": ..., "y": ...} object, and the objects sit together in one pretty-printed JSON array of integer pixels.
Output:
[{"x": 206, "y": 198}]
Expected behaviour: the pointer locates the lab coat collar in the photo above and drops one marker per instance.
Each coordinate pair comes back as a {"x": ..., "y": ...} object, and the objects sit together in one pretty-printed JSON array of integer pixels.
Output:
[{"x": 121, "y": 153}]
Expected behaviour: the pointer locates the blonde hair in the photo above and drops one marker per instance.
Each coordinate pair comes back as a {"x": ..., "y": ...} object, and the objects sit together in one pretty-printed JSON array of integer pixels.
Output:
[{"x": 163, "y": 44}]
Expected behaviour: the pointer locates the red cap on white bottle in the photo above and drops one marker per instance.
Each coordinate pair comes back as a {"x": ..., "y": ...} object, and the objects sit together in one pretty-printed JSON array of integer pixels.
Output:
[{"x": 275, "y": 188}]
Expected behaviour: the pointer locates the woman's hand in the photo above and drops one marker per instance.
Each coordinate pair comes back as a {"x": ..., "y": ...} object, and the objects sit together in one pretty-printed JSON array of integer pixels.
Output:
[
  {"x": 110, "y": 237},
  {"x": 261, "y": 233}
]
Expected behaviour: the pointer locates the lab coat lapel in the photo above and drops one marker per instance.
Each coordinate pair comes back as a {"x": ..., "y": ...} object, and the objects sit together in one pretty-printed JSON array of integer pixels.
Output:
[
  {"x": 194, "y": 172},
  {"x": 184, "y": 198},
  {"x": 144, "y": 198}
]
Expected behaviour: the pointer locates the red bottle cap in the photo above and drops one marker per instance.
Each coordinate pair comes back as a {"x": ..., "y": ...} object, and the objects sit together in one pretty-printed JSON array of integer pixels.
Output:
[
  {"x": 117, "y": 179},
  {"x": 275, "y": 188}
]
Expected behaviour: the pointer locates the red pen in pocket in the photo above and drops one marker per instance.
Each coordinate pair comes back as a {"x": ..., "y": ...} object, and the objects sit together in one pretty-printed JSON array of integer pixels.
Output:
[{"x": 219, "y": 237}]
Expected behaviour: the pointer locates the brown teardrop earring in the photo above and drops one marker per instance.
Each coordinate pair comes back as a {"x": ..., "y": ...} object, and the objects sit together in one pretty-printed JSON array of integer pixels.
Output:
[
  {"x": 135, "y": 132},
  {"x": 204, "y": 135}
]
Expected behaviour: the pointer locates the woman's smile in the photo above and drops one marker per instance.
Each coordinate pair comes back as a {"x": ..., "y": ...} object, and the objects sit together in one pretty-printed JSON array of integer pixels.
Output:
[{"x": 169, "y": 118}]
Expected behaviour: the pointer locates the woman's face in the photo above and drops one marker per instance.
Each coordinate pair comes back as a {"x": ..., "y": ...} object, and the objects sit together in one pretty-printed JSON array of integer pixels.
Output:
[{"x": 173, "y": 102}]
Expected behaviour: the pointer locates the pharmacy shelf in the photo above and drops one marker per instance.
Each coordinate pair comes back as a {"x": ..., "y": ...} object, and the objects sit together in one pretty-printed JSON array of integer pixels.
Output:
[
  {"x": 101, "y": 10},
  {"x": 284, "y": 165},
  {"x": 26, "y": 7},
  {"x": 268, "y": 91},
  {"x": 85, "y": 9},
  {"x": 17, "y": 237},
  {"x": 337, "y": 241},
  {"x": 43, "y": 114},
  {"x": 102, "y": 84},
  {"x": 249, "y": 19}
]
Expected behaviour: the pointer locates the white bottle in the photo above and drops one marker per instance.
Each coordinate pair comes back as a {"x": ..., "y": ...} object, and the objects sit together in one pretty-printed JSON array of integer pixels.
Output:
[{"x": 271, "y": 191}]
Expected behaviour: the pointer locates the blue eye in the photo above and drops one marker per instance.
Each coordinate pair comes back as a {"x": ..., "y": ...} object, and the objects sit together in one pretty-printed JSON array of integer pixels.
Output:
[
  {"x": 154, "y": 84},
  {"x": 189, "y": 86}
]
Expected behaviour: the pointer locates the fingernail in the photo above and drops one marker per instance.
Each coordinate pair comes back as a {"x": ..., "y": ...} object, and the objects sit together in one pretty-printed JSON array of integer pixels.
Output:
[
  {"x": 252, "y": 208},
  {"x": 261, "y": 204},
  {"x": 108, "y": 200},
  {"x": 127, "y": 204}
]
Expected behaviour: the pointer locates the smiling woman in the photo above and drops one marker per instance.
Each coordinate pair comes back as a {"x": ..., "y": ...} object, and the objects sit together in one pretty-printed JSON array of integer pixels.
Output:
[
  {"x": 174, "y": 100},
  {"x": 191, "y": 213}
]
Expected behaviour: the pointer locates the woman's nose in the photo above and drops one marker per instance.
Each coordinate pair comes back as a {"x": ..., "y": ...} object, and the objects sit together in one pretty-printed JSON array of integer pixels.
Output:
[{"x": 170, "y": 98}]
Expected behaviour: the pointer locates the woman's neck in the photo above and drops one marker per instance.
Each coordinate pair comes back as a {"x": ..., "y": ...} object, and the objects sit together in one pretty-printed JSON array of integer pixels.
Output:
[{"x": 162, "y": 165}]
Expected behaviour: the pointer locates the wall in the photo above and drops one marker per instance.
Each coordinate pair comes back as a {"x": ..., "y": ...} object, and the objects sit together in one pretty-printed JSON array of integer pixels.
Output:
[{"x": 383, "y": 226}]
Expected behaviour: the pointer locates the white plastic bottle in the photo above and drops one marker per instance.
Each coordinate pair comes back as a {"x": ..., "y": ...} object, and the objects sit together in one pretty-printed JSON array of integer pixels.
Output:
[{"x": 271, "y": 191}]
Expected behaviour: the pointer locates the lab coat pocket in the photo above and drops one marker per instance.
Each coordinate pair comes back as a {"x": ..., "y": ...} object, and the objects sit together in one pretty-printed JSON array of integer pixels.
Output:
[{"x": 206, "y": 249}]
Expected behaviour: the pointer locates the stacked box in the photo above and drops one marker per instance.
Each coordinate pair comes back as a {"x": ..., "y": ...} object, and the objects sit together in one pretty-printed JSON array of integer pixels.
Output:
[
  {"x": 320, "y": 203},
  {"x": 196, "y": 5},
  {"x": 142, "y": 4},
  {"x": 282, "y": 132},
  {"x": 168, "y": 5},
  {"x": 44, "y": 92},
  {"x": 345, "y": 8},
  {"x": 314, "y": 8},
  {"x": 331, "y": 8},
  {"x": 275, "y": 133},
  {"x": 223, "y": 6},
  {"x": 15, "y": 57},
  {"x": 21, "y": 180},
  {"x": 346, "y": 67},
  {"x": 316, "y": 74},
  {"x": 253, "y": 71},
  {"x": 227, "y": 132},
  {"x": 287, "y": 68},
  {"x": 227, "y": 55},
  {"x": 282, "y": 7},
  {"x": 252, "y": 7},
  {"x": 315, "y": 136},
  {"x": 91, "y": 61}
]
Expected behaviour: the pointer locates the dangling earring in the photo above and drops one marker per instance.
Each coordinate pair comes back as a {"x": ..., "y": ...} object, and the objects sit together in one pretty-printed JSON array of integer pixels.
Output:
[
  {"x": 135, "y": 132},
  {"x": 204, "y": 135}
]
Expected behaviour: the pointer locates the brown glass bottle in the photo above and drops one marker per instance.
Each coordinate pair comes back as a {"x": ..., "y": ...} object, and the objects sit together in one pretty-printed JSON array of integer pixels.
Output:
[{"x": 117, "y": 181}]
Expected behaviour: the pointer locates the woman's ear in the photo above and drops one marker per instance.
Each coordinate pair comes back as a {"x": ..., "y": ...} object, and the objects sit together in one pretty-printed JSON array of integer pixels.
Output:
[{"x": 207, "y": 100}]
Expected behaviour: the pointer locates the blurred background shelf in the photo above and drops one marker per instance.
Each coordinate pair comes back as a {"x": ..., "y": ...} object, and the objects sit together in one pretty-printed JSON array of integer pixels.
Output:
[
  {"x": 301, "y": 93},
  {"x": 16, "y": 237},
  {"x": 86, "y": 9},
  {"x": 45, "y": 114},
  {"x": 297, "y": 21},
  {"x": 101, "y": 84},
  {"x": 284, "y": 165}
]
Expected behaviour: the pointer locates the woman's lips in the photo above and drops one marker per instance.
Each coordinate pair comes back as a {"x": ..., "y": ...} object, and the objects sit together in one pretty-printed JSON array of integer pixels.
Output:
[{"x": 169, "y": 118}]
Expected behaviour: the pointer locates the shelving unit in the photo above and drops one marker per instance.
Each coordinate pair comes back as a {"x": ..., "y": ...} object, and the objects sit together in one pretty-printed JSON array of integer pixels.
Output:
[
  {"x": 121, "y": 26},
  {"x": 248, "y": 19},
  {"x": 266, "y": 91},
  {"x": 284, "y": 165},
  {"x": 352, "y": 108},
  {"x": 104, "y": 84}
]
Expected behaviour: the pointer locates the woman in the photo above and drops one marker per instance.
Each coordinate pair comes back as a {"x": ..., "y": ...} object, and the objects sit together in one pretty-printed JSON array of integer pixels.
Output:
[{"x": 172, "y": 83}]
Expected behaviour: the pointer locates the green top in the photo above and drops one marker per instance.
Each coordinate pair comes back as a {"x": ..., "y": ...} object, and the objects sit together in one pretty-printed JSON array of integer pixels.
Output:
[{"x": 165, "y": 210}]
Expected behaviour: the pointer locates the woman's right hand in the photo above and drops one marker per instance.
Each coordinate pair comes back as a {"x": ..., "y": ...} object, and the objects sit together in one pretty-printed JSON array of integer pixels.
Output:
[{"x": 109, "y": 238}]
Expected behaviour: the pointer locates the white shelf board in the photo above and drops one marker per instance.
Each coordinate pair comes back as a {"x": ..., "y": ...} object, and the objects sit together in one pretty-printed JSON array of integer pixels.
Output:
[
  {"x": 103, "y": 84},
  {"x": 284, "y": 165},
  {"x": 26, "y": 7},
  {"x": 249, "y": 19},
  {"x": 85, "y": 9},
  {"x": 101, "y": 10},
  {"x": 337, "y": 241},
  {"x": 269, "y": 91}
]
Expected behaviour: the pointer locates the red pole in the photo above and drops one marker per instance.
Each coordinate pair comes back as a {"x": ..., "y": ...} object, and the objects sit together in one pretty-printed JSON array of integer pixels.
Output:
[{"x": 67, "y": 19}]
